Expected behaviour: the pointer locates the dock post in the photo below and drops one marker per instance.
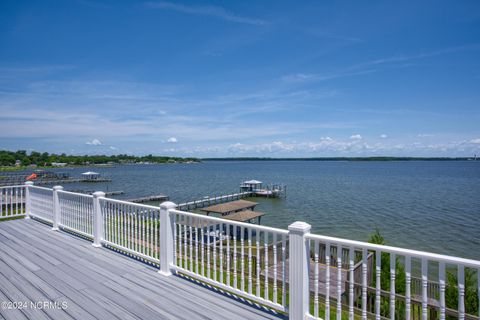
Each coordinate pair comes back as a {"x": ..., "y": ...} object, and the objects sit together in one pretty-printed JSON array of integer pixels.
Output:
[
  {"x": 56, "y": 207},
  {"x": 97, "y": 219},
  {"x": 28, "y": 201},
  {"x": 299, "y": 264},
  {"x": 167, "y": 242}
]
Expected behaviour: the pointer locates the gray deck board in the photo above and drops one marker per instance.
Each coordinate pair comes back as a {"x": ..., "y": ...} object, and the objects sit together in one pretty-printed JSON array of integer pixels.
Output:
[{"x": 38, "y": 264}]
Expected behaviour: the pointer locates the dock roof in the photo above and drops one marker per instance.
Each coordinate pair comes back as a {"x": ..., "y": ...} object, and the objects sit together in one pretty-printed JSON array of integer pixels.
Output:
[
  {"x": 244, "y": 216},
  {"x": 232, "y": 206}
]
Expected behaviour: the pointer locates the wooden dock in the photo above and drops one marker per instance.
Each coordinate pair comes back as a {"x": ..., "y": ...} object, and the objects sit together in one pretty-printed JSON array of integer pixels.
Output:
[
  {"x": 155, "y": 198},
  {"x": 208, "y": 201},
  {"x": 39, "y": 265}
]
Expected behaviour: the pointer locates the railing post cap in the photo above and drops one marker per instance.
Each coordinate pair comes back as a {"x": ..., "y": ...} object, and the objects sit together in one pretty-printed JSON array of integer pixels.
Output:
[
  {"x": 58, "y": 188},
  {"x": 300, "y": 227},
  {"x": 167, "y": 205},
  {"x": 29, "y": 183},
  {"x": 98, "y": 194}
]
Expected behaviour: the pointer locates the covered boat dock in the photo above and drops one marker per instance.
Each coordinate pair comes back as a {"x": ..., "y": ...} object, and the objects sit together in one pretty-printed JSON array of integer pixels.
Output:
[{"x": 230, "y": 207}]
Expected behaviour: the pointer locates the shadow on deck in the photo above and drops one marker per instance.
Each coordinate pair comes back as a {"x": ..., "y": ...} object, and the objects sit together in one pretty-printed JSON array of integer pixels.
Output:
[{"x": 55, "y": 275}]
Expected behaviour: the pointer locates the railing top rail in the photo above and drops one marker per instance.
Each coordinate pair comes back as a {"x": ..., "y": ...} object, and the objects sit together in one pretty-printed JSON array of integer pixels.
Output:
[
  {"x": 15, "y": 186},
  {"x": 75, "y": 193},
  {"x": 41, "y": 188},
  {"x": 236, "y": 223},
  {"x": 145, "y": 206},
  {"x": 401, "y": 251}
]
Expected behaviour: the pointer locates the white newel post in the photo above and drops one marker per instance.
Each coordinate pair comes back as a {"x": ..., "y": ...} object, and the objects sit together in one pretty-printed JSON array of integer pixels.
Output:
[
  {"x": 27, "y": 199},
  {"x": 167, "y": 244},
  {"x": 56, "y": 207},
  {"x": 299, "y": 252},
  {"x": 97, "y": 219}
]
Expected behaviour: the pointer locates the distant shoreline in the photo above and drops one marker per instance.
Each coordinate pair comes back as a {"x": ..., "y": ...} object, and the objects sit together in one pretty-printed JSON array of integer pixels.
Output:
[{"x": 350, "y": 159}]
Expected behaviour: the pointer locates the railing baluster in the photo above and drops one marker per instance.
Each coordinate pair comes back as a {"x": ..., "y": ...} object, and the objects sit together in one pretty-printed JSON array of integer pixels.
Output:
[
  {"x": 185, "y": 253},
  {"x": 461, "y": 292},
  {"x": 408, "y": 279},
  {"x": 202, "y": 234},
  {"x": 208, "y": 252},
  {"x": 266, "y": 266},
  {"x": 284, "y": 276},
  {"x": 392, "y": 285},
  {"x": 424, "y": 289},
  {"x": 242, "y": 259},
  {"x": 228, "y": 253},
  {"x": 257, "y": 238},
  {"x": 275, "y": 271},
  {"x": 327, "y": 281},
  {"x": 441, "y": 277},
  {"x": 214, "y": 248},
  {"x": 180, "y": 241},
  {"x": 315, "y": 279},
  {"x": 250, "y": 260},
  {"x": 196, "y": 247},
  {"x": 191, "y": 244},
  {"x": 378, "y": 274},
  {"x": 235, "y": 230},
  {"x": 221, "y": 252},
  {"x": 339, "y": 281},
  {"x": 351, "y": 254}
]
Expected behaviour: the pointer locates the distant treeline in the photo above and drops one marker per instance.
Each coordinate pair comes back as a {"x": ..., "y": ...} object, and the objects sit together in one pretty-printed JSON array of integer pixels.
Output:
[
  {"x": 340, "y": 159},
  {"x": 22, "y": 158}
]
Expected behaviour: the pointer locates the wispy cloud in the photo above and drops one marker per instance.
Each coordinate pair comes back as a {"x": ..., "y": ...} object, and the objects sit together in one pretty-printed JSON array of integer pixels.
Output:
[
  {"x": 372, "y": 66},
  {"x": 212, "y": 11}
]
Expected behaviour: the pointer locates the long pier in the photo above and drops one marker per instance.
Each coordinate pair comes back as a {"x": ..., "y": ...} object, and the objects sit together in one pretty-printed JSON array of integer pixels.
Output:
[
  {"x": 192, "y": 205},
  {"x": 158, "y": 197}
]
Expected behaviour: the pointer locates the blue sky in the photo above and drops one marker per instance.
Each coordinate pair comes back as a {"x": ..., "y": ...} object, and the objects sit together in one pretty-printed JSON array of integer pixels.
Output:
[{"x": 241, "y": 78}]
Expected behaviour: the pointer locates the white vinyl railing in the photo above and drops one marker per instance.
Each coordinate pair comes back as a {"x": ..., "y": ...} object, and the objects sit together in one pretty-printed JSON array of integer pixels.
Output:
[
  {"x": 40, "y": 200},
  {"x": 132, "y": 227},
  {"x": 333, "y": 288},
  {"x": 12, "y": 201},
  {"x": 247, "y": 259},
  {"x": 293, "y": 271},
  {"x": 76, "y": 212}
]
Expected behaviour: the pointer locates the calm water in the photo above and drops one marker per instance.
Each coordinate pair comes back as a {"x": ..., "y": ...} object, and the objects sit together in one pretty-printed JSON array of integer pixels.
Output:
[{"x": 432, "y": 206}]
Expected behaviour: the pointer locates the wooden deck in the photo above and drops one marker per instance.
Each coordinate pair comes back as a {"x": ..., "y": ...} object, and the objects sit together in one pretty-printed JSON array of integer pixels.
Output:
[{"x": 39, "y": 265}]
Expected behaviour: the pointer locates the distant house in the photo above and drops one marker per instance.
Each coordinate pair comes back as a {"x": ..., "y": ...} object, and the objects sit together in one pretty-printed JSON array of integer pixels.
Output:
[
  {"x": 59, "y": 164},
  {"x": 18, "y": 163}
]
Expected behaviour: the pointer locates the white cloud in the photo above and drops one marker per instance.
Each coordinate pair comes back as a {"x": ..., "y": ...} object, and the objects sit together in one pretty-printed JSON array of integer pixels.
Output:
[
  {"x": 94, "y": 142},
  {"x": 113, "y": 148},
  {"x": 383, "y": 136},
  {"x": 476, "y": 141},
  {"x": 326, "y": 139},
  {"x": 212, "y": 11},
  {"x": 356, "y": 137},
  {"x": 172, "y": 140}
]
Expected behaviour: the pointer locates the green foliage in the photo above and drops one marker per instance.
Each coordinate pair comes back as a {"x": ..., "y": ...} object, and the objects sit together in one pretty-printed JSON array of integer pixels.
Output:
[
  {"x": 400, "y": 275},
  {"x": 471, "y": 291},
  {"x": 8, "y": 158}
]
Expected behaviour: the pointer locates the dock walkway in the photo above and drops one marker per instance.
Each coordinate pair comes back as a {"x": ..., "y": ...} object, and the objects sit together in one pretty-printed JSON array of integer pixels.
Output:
[{"x": 40, "y": 265}]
